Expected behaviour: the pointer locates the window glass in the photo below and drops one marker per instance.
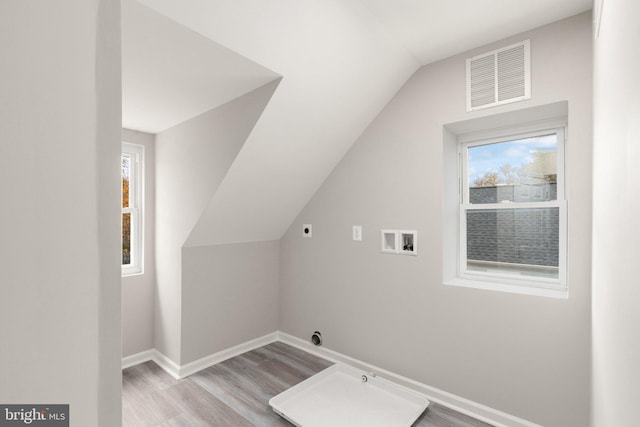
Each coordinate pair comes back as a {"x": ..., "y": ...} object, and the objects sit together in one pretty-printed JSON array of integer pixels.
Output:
[
  {"x": 512, "y": 210},
  {"x": 522, "y": 170},
  {"x": 132, "y": 191},
  {"x": 514, "y": 241},
  {"x": 126, "y": 239},
  {"x": 126, "y": 167}
]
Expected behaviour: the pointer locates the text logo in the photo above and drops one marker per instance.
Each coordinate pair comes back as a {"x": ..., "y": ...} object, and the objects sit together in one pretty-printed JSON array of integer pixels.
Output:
[{"x": 34, "y": 415}]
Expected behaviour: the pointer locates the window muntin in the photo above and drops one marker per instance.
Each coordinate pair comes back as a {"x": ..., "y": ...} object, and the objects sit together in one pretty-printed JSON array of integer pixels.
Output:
[
  {"x": 131, "y": 162},
  {"x": 512, "y": 210}
]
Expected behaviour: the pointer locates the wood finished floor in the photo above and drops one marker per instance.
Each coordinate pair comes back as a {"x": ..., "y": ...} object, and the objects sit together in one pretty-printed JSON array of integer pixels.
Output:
[{"x": 235, "y": 393}]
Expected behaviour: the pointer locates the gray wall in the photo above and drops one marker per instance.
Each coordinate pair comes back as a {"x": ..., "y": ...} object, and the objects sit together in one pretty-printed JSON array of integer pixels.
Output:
[
  {"x": 191, "y": 161},
  {"x": 230, "y": 296},
  {"x": 616, "y": 317},
  {"x": 59, "y": 226},
  {"x": 524, "y": 355},
  {"x": 138, "y": 289}
]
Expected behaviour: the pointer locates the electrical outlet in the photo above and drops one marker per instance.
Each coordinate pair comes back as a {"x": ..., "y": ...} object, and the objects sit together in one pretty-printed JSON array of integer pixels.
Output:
[
  {"x": 357, "y": 232},
  {"x": 307, "y": 230}
]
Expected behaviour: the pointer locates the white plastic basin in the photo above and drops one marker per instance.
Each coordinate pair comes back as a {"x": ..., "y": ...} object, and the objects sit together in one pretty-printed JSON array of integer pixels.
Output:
[{"x": 338, "y": 397}]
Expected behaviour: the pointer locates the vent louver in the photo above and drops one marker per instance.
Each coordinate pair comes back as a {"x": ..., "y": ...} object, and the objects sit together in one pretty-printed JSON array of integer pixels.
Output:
[{"x": 499, "y": 77}]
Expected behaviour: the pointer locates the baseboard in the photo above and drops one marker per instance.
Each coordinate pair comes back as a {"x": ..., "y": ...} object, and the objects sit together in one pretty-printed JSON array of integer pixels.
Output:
[
  {"x": 203, "y": 363},
  {"x": 182, "y": 371},
  {"x": 457, "y": 403},
  {"x": 169, "y": 366},
  {"x": 136, "y": 359}
]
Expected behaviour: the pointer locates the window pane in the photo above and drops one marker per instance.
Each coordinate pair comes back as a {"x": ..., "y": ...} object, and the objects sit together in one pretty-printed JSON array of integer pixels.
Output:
[
  {"x": 523, "y": 242},
  {"x": 523, "y": 170},
  {"x": 126, "y": 239},
  {"x": 126, "y": 169}
]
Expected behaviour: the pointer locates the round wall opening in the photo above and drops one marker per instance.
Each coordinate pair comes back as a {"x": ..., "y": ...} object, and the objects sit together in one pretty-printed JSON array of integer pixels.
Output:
[{"x": 316, "y": 338}]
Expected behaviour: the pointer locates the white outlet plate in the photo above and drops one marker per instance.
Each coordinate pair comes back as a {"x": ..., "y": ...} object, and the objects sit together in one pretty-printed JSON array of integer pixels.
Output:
[
  {"x": 307, "y": 230},
  {"x": 357, "y": 232}
]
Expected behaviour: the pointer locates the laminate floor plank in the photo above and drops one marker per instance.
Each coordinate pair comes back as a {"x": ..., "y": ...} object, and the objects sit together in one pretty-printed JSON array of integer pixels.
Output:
[
  {"x": 143, "y": 405},
  {"x": 236, "y": 392},
  {"x": 230, "y": 386},
  {"x": 184, "y": 420},
  {"x": 298, "y": 359},
  {"x": 441, "y": 416},
  {"x": 199, "y": 405},
  {"x": 254, "y": 357},
  {"x": 155, "y": 375},
  {"x": 282, "y": 376}
]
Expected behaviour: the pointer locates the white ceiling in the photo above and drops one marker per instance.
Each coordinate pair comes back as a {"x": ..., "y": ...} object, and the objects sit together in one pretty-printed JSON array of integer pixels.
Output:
[
  {"x": 436, "y": 29},
  {"x": 171, "y": 73},
  {"x": 341, "y": 61}
]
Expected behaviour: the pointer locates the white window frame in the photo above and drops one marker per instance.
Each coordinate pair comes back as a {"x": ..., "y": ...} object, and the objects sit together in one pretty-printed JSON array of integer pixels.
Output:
[
  {"x": 504, "y": 281},
  {"x": 136, "y": 205}
]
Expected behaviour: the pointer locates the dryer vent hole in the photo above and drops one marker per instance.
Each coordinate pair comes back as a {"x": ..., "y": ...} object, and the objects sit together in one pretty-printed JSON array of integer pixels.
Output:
[{"x": 316, "y": 338}]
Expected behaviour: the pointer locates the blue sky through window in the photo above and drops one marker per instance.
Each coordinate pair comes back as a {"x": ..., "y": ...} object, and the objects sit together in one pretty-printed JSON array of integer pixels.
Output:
[{"x": 517, "y": 153}]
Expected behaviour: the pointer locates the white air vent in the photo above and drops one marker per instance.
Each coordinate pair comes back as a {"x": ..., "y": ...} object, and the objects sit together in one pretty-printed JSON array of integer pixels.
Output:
[{"x": 499, "y": 77}]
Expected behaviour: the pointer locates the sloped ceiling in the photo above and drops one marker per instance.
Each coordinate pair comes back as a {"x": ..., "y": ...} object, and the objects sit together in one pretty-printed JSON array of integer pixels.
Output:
[
  {"x": 437, "y": 29},
  {"x": 171, "y": 73},
  {"x": 339, "y": 69},
  {"x": 341, "y": 62}
]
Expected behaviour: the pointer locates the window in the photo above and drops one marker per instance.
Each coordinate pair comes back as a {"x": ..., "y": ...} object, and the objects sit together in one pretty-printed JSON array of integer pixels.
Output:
[
  {"x": 512, "y": 209},
  {"x": 132, "y": 197}
]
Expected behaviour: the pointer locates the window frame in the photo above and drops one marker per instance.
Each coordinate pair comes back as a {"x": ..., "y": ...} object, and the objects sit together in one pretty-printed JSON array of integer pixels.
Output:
[
  {"x": 504, "y": 281},
  {"x": 135, "y": 208}
]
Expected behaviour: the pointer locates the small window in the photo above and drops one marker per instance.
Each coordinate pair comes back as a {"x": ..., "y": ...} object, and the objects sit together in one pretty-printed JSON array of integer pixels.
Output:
[
  {"x": 512, "y": 219},
  {"x": 132, "y": 196}
]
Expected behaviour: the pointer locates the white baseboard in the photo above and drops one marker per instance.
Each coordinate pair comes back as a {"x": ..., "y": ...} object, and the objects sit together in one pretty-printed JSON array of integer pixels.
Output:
[
  {"x": 457, "y": 403},
  {"x": 182, "y": 371},
  {"x": 169, "y": 366},
  {"x": 200, "y": 364},
  {"x": 136, "y": 359}
]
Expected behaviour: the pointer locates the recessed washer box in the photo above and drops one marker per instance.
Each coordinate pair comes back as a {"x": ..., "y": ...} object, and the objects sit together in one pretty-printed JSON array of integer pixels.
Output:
[
  {"x": 343, "y": 396},
  {"x": 403, "y": 242}
]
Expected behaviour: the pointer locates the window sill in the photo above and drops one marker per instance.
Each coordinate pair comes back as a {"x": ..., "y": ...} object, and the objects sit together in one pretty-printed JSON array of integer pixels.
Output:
[
  {"x": 504, "y": 287},
  {"x": 131, "y": 272}
]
